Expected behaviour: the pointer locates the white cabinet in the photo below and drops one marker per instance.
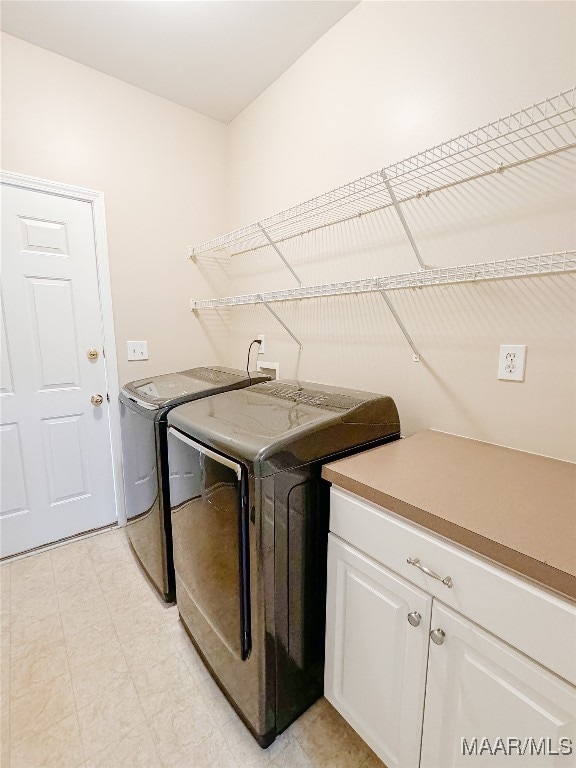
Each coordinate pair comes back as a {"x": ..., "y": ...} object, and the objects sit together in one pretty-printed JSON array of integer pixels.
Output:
[
  {"x": 478, "y": 688},
  {"x": 397, "y": 687},
  {"x": 376, "y": 659}
]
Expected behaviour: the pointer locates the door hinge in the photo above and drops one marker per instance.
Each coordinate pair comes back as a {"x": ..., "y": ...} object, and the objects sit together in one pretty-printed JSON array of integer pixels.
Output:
[{"x": 107, "y": 397}]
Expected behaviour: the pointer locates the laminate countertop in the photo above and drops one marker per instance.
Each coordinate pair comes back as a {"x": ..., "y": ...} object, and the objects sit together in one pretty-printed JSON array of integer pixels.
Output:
[{"x": 515, "y": 508}]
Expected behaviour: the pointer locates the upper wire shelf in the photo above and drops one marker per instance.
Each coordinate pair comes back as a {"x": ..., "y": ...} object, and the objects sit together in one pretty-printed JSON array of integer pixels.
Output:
[
  {"x": 523, "y": 266},
  {"x": 535, "y": 132}
]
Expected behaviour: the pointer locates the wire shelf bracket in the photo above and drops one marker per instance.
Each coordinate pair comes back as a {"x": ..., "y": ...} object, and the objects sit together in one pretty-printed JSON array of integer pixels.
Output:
[
  {"x": 279, "y": 252},
  {"x": 402, "y": 218},
  {"x": 282, "y": 323},
  {"x": 416, "y": 356}
]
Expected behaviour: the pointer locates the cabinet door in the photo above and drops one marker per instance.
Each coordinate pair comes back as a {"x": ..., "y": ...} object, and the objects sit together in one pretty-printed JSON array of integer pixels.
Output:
[
  {"x": 482, "y": 691},
  {"x": 375, "y": 659}
]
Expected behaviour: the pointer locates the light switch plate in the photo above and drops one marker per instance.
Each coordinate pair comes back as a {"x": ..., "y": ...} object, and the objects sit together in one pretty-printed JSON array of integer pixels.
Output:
[{"x": 137, "y": 350}]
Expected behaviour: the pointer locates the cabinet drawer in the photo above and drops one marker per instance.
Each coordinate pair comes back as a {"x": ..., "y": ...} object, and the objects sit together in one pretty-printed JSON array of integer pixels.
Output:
[{"x": 528, "y": 618}]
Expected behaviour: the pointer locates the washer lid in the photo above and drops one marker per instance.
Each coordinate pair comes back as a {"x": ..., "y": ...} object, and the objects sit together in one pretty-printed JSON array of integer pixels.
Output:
[{"x": 172, "y": 388}]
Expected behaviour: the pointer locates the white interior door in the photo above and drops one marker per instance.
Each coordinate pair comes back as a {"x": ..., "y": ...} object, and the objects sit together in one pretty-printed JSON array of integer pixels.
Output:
[{"x": 55, "y": 445}]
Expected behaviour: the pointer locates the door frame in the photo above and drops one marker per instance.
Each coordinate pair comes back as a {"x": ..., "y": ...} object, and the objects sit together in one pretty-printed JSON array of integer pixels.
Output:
[{"x": 96, "y": 200}]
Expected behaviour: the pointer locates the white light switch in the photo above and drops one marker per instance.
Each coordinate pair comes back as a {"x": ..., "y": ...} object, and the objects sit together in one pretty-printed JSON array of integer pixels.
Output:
[
  {"x": 512, "y": 362},
  {"x": 137, "y": 350}
]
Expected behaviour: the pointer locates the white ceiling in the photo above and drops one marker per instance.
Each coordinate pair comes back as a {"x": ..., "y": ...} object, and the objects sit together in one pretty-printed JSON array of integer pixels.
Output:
[{"x": 213, "y": 56}]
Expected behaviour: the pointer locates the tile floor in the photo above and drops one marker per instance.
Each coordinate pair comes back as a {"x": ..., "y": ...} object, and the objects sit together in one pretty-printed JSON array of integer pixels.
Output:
[{"x": 98, "y": 676}]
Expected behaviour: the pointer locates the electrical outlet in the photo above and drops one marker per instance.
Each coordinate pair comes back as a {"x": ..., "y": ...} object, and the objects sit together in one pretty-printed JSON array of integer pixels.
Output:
[
  {"x": 512, "y": 362},
  {"x": 261, "y": 346},
  {"x": 270, "y": 369},
  {"x": 137, "y": 350}
]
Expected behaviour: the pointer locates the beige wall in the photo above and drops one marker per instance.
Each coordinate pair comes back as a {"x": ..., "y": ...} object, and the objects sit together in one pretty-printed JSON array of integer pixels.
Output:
[
  {"x": 389, "y": 80},
  {"x": 161, "y": 168}
]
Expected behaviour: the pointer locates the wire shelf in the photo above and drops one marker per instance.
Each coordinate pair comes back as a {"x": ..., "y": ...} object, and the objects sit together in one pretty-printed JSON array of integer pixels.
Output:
[
  {"x": 525, "y": 266},
  {"x": 543, "y": 129}
]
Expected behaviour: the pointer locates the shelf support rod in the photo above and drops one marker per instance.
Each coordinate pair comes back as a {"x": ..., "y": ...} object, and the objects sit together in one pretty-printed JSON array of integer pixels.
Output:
[
  {"x": 401, "y": 325},
  {"x": 282, "y": 323},
  {"x": 402, "y": 218},
  {"x": 273, "y": 244}
]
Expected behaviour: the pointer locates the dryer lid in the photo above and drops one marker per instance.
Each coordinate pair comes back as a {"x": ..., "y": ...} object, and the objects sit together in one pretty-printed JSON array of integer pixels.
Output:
[{"x": 287, "y": 423}]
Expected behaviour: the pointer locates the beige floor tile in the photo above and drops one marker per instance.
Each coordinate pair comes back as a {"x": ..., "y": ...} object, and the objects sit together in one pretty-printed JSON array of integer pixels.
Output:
[
  {"x": 34, "y": 605},
  {"x": 120, "y": 577},
  {"x": 73, "y": 568},
  {"x": 286, "y": 752},
  {"x": 373, "y": 762},
  {"x": 179, "y": 728},
  {"x": 197, "y": 668},
  {"x": 35, "y": 567},
  {"x": 67, "y": 554},
  {"x": 243, "y": 746},
  {"x": 110, "y": 718},
  {"x": 91, "y": 681},
  {"x": 166, "y": 682},
  {"x": 4, "y": 732},
  {"x": 5, "y": 663},
  {"x": 56, "y": 747},
  {"x": 5, "y": 580},
  {"x": 107, "y": 539},
  {"x": 217, "y": 703},
  {"x": 126, "y": 595},
  {"x": 149, "y": 648},
  {"x": 107, "y": 558},
  {"x": 39, "y": 668},
  {"x": 29, "y": 636},
  {"x": 331, "y": 743},
  {"x": 80, "y": 610},
  {"x": 135, "y": 750},
  {"x": 139, "y": 620},
  {"x": 213, "y": 752},
  {"x": 40, "y": 707},
  {"x": 89, "y": 644},
  {"x": 74, "y": 598}
]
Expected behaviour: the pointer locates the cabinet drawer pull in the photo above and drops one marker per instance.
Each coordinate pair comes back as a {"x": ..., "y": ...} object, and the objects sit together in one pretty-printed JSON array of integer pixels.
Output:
[
  {"x": 414, "y": 618},
  {"x": 416, "y": 561},
  {"x": 437, "y": 636}
]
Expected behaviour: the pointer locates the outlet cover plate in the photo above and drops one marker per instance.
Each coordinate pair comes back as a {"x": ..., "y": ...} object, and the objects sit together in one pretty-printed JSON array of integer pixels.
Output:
[{"x": 512, "y": 362}]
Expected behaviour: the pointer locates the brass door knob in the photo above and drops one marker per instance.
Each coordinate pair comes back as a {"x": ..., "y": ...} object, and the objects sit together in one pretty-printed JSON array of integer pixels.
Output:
[
  {"x": 92, "y": 354},
  {"x": 96, "y": 399}
]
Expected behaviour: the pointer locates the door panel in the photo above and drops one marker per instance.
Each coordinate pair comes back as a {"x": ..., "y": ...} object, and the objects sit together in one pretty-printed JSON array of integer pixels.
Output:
[
  {"x": 64, "y": 450},
  {"x": 57, "y": 477},
  {"x": 6, "y": 386},
  {"x": 46, "y": 237},
  {"x": 54, "y": 328},
  {"x": 13, "y": 492},
  {"x": 375, "y": 660},
  {"x": 480, "y": 688}
]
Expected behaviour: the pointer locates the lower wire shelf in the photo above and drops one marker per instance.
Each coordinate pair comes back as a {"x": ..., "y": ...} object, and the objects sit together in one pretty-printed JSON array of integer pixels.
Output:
[{"x": 503, "y": 269}]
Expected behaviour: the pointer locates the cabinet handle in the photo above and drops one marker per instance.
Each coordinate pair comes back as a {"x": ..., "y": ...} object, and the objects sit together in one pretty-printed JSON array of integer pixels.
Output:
[
  {"x": 414, "y": 618},
  {"x": 437, "y": 636},
  {"x": 447, "y": 580}
]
